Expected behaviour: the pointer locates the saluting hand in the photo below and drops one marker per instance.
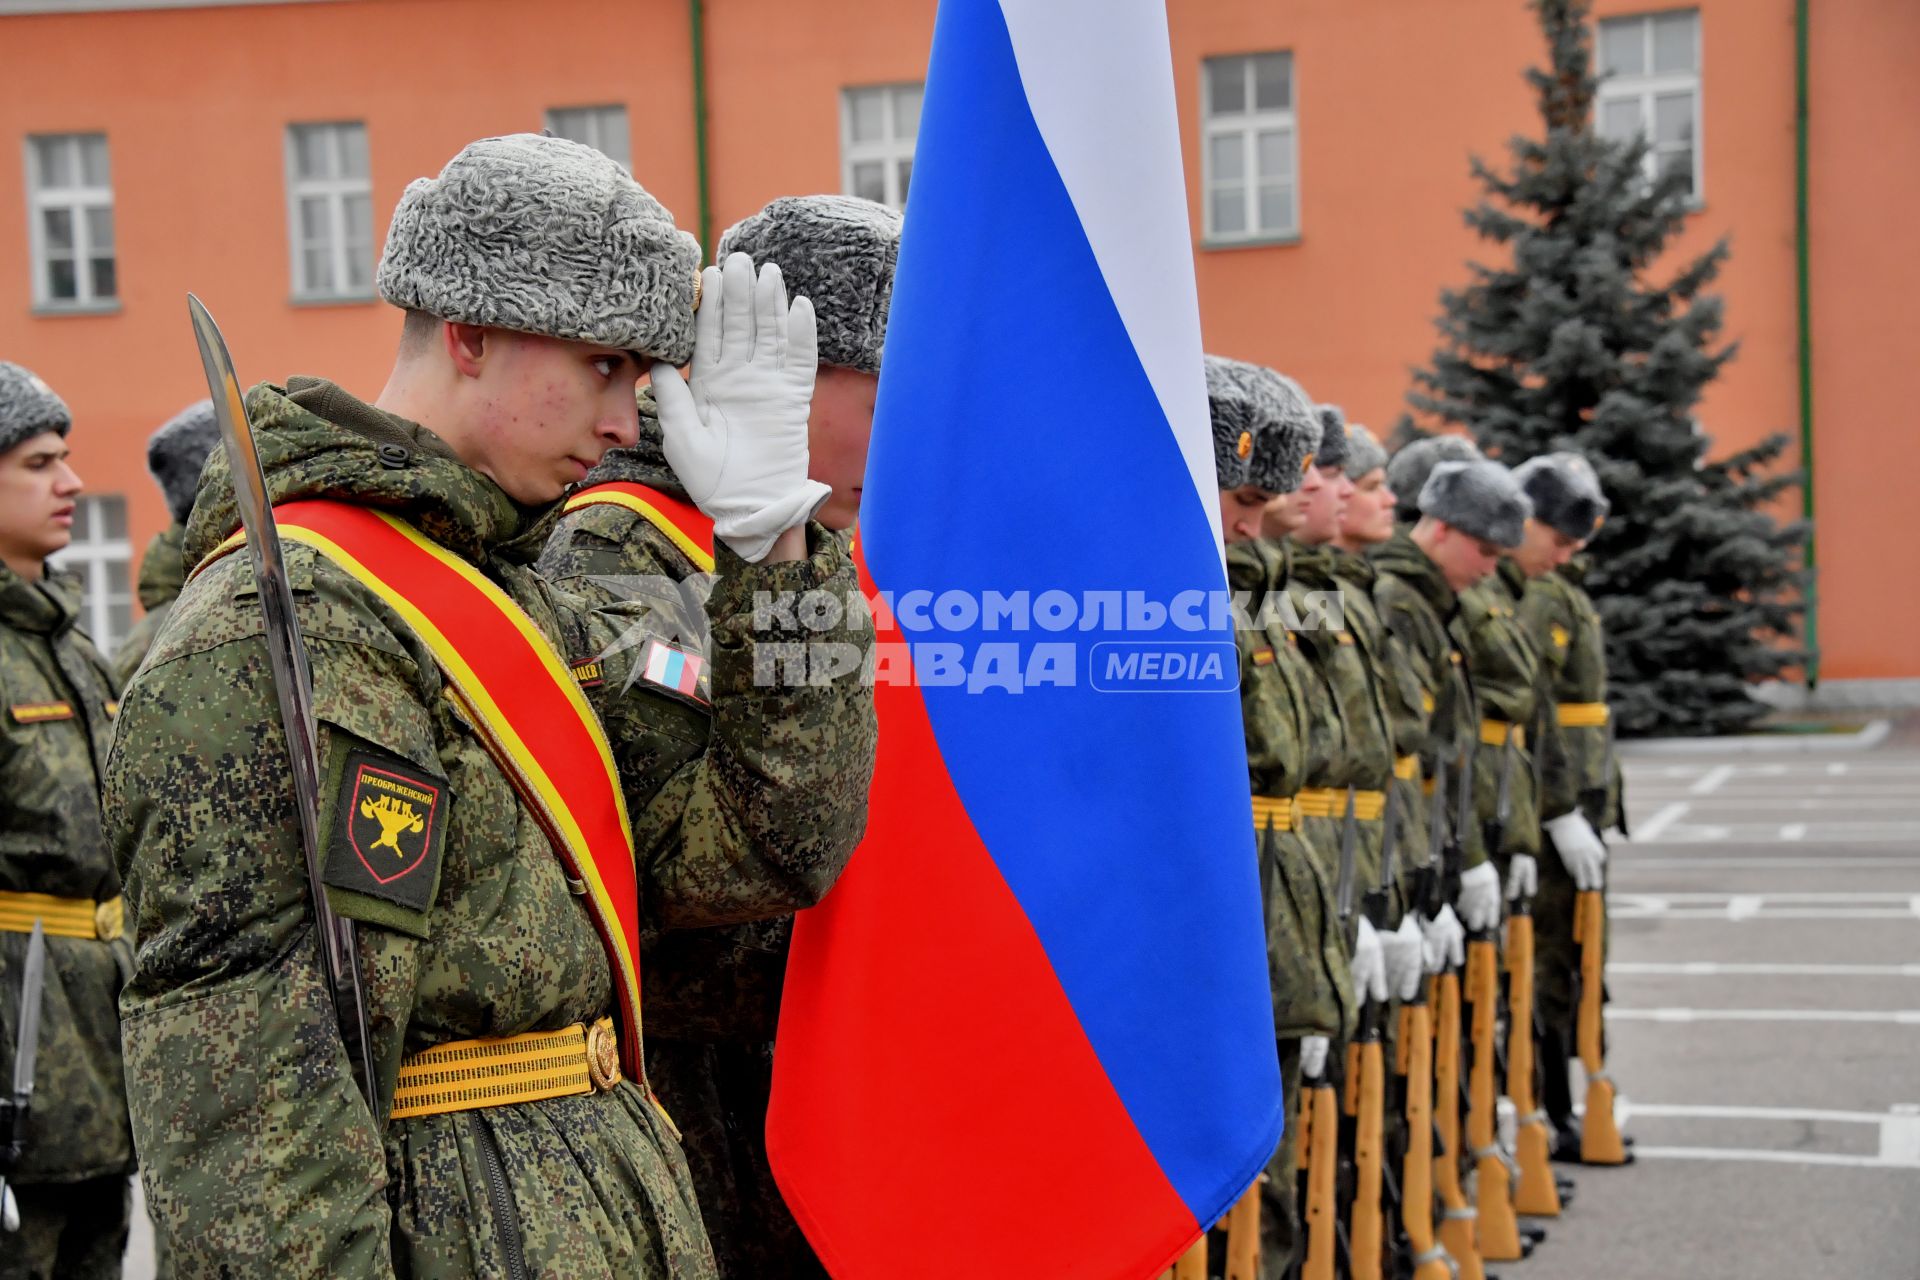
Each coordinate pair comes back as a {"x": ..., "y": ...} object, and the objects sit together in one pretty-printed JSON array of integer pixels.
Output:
[{"x": 736, "y": 433}]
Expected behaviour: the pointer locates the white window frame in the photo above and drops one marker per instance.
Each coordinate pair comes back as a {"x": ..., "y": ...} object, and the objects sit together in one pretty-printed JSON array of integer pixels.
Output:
[
  {"x": 336, "y": 191},
  {"x": 77, "y": 200},
  {"x": 889, "y": 151},
  {"x": 1248, "y": 125},
  {"x": 1642, "y": 89},
  {"x": 594, "y": 117},
  {"x": 98, "y": 552}
]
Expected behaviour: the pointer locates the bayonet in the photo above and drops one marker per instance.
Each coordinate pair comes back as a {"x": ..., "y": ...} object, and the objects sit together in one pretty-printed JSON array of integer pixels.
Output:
[
  {"x": 1428, "y": 891},
  {"x": 292, "y": 686},
  {"x": 26, "y": 1054},
  {"x": 1343, "y": 892},
  {"x": 1383, "y": 889}
]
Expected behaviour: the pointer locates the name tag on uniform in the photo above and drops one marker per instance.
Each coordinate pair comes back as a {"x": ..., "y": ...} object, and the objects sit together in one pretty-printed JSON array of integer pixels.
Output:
[{"x": 41, "y": 712}]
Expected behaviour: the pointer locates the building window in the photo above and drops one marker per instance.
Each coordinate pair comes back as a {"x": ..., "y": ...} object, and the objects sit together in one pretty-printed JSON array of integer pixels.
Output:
[
  {"x": 1249, "y": 148},
  {"x": 602, "y": 128},
  {"x": 877, "y": 128},
  {"x": 71, "y": 229},
  {"x": 330, "y": 211},
  {"x": 1651, "y": 87},
  {"x": 102, "y": 558}
]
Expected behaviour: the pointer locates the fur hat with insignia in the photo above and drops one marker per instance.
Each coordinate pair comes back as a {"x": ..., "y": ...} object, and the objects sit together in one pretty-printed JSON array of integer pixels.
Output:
[
  {"x": 1291, "y": 440},
  {"x": 839, "y": 253},
  {"x": 177, "y": 451},
  {"x": 1565, "y": 493},
  {"x": 1480, "y": 498},
  {"x": 28, "y": 406},
  {"x": 1364, "y": 453},
  {"x": 546, "y": 236},
  {"x": 1408, "y": 469},
  {"x": 1263, "y": 426},
  {"x": 1332, "y": 451}
]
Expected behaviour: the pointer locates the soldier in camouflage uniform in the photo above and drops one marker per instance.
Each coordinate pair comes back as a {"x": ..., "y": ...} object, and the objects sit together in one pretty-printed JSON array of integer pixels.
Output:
[
  {"x": 56, "y": 718},
  {"x": 713, "y": 995},
  {"x": 175, "y": 455},
  {"x": 536, "y": 275},
  {"x": 1263, "y": 436},
  {"x": 1575, "y": 752}
]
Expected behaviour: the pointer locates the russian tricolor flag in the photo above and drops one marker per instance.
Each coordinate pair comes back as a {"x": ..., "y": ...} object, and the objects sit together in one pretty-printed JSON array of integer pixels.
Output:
[{"x": 1029, "y": 1032}]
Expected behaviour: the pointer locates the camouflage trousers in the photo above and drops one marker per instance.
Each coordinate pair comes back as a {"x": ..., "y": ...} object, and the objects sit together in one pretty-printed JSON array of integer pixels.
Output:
[
  {"x": 717, "y": 1095},
  {"x": 69, "y": 1230}
]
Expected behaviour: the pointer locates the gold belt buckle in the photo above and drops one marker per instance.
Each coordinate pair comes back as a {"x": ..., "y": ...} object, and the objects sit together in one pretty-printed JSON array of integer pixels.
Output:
[{"x": 603, "y": 1055}]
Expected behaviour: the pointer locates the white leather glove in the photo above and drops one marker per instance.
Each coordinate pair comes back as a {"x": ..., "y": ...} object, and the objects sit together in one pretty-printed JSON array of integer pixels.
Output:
[
  {"x": 1369, "y": 965},
  {"x": 1523, "y": 877},
  {"x": 1580, "y": 850},
  {"x": 1446, "y": 941},
  {"x": 1313, "y": 1057},
  {"x": 1480, "y": 897},
  {"x": 1405, "y": 963},
  {"x": 736, "y": 433}
]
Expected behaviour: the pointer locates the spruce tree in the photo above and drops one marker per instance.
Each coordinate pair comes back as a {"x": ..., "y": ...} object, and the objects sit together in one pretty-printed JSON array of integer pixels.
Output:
[{"x": 1571, "y": 343}]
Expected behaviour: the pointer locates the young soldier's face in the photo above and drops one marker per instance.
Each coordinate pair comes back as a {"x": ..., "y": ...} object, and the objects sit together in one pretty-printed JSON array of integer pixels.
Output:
[
  {"x": 1544, "y": 549},
  {"x": 538, "y": 413},
  {"x": 1369, "y": 515},
  {"x": 1241, "y": 510},
  {"x": 839, "y": 428},
  {"x": 1284, "y": 514},
  {"x": 1322, "y": 506},
  {"x": 37, "y": 491},
  {"x": 1464, "y": 559}
]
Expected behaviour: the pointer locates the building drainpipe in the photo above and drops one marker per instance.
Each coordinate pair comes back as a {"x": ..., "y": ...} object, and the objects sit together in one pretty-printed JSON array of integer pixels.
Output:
[
  {"x": 1805, "y": 326},
  {"x": 697, "y": 22}
]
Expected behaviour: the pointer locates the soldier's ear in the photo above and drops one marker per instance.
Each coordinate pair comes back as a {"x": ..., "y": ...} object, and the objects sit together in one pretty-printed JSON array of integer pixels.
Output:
[{"x": 468, "y": 346}]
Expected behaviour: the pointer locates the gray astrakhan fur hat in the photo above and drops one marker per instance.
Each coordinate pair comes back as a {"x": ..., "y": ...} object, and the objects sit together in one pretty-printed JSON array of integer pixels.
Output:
[
  {"x": 1364, "y": 453},
  {"x": 542, "y": 235},
  {"x": 1263, "y": 425},
  {"x": 1479, "y": 497},
  {"x": 28, "y": 406},
  {"x": 1291, "y": 439},
  {"x": 177, "y": 451},
  {"x": 1332, "y": 451},
  {"x": 838, "y": 252},
  {"x": 1565, "y": 493},
  {"x": 1407, "y": 470}
]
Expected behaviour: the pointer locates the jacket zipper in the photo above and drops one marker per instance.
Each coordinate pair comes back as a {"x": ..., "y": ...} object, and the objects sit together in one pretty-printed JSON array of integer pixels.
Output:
[{"x": 506, "y": 1218}]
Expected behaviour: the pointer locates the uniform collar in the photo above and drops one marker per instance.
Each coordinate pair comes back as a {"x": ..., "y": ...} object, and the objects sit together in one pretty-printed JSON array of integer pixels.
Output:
[{"x": 46, "y": 607}]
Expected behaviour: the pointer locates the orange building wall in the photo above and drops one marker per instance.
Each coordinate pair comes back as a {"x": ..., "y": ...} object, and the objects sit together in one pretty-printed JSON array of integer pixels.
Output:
[{"x": 1392, "y": 96}]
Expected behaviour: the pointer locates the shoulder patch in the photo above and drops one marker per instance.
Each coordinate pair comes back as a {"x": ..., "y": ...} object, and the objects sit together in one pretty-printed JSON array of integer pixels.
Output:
[
  {"x": 589, "y": 673},
  {"x": 388, "y": 830},
  {"x": 1561, "y": 636}
]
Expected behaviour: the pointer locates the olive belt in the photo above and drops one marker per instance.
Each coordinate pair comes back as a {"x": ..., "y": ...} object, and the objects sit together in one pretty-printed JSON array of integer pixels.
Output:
[
  {"x": 1277, "y": 812},
  {"x": 1331, "y": 802},
  {"x": 1582, "y": 715},
  {"x": 496, "y": 1071},
  {"x": 63, "y": 917},
  {"x": 1496, "y": 732}
]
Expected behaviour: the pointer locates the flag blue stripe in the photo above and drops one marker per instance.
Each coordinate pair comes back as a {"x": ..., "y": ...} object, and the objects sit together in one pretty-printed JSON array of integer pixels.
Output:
[{"x": 1018, "y": 445}]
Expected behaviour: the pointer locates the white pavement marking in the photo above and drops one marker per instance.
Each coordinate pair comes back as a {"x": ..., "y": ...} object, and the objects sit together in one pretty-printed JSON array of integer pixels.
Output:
[
  {"x": 1808, "y": 1115},
  {"x": 1747, "y": 1156},
  {"x": 1650, "y": 829},
  {"x": 1736, "y": 907},
  {"x": 1794, "y": 831},
  {"x": 1618, "y": 861},
  {"x": 1717, "y": 969},
  {"x": 1712, "y": 781},
  {"x": 1898, "y": 1017},
  {"x": 1836, "y": 769}
]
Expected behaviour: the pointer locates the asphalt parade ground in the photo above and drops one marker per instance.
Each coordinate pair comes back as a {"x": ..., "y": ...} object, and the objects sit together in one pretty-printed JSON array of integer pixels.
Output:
[{"x": 1765, "y": 1024}]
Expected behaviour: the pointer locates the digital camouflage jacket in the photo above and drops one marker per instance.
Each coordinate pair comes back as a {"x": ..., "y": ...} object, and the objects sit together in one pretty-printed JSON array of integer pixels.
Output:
[
  {"x": 1567, "y": 631},
  {"x": 712, "y": 994},
  {"x": 1290, "y": 729},
  {"x": 260, "y": 1157},
  {"x": 56, "y": 720},
  {"x": 1506, "y": 683},
  {"x": 1431, "y": 700},
  {"x": 163, "y": 572}
]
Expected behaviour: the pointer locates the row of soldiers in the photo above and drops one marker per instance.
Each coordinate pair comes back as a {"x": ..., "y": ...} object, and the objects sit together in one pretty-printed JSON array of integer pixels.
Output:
[
  {"x": 619, "y": 533},
  {"x": 1432, "y": 747}
]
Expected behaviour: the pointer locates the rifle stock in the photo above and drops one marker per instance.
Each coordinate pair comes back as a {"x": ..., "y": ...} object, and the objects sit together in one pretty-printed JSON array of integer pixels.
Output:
[
  {"x": 1600, "y": 1141},
  {"x": 1414, "y": 1053},
  {"x": 1535, "y": 1194},
  {"x": 1499, "y": 1229},
  {"x": 1457, "y": 1217},
  {"x": 1192, "y": 1265},
  {"x": 1322, "y": 1215},
  {"x": 1243, "y": 1235},
  {"x": 1364, "y": 1234}
]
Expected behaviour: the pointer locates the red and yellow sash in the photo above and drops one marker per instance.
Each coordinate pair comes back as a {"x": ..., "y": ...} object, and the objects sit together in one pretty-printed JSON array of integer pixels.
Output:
[
  {"x": 517, "y": 692},
  {"x": 689, "y": 527}
]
